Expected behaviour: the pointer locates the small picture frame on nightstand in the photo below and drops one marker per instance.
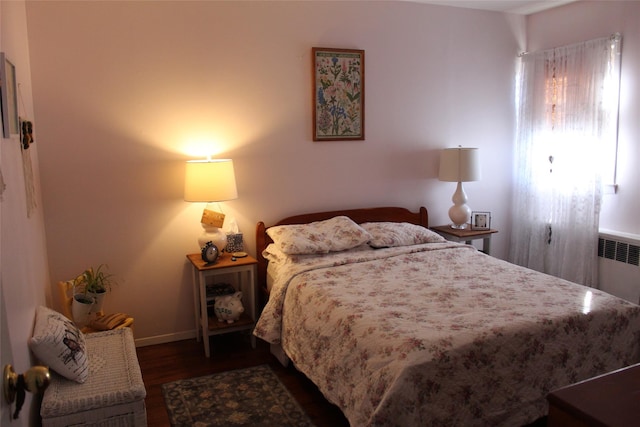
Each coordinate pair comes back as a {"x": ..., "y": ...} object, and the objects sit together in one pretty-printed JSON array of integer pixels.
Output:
[{"x": 480, "y": 220}]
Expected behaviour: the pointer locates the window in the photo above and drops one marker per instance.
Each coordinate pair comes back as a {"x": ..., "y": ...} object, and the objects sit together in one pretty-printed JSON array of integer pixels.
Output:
[
  {"x": 565, "y": 149},
  {"x": 568, "y": 95}
]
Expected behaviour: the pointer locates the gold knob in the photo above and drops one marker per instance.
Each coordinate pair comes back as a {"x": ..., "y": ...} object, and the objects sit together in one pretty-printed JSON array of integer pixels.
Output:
[{"x": 34, "y": 380}]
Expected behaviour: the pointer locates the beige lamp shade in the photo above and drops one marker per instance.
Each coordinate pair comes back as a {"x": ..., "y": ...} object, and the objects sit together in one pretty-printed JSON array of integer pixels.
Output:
[
  {"x": 459, "y": 165},
  {"x": 210, "y": 181}
]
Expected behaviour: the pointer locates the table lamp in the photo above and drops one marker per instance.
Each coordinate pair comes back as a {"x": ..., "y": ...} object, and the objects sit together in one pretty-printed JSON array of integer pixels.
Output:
[
  {"x": 459, "y": 165},
  {"x": 210, "y": 181}
]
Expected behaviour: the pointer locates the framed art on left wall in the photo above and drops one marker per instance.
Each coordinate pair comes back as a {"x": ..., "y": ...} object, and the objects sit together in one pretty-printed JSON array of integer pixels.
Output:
[
  {"x": 9, "y": 97},
  {"x": 338, "y": 94}
]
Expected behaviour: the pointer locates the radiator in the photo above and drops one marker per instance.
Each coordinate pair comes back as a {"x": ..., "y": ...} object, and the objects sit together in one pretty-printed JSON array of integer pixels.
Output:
[{"x": 619, "y": 264}]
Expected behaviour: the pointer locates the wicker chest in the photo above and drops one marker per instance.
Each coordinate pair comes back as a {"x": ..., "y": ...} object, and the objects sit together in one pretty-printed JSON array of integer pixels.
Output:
[{"x": 114, "y": 393}]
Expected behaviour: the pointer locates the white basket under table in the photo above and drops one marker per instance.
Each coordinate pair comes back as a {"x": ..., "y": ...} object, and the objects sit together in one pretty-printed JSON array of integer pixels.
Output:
[{"x": 114, "y": 393}]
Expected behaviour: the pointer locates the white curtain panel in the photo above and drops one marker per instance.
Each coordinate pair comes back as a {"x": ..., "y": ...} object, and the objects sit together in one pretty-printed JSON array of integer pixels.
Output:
[{"x": 567, "y": 102}]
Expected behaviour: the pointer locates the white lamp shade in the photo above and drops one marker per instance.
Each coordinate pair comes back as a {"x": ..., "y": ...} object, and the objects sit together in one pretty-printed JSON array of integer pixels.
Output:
[
  {"x": 210, "y": 181},
  {"x": 459, "y": 165}
]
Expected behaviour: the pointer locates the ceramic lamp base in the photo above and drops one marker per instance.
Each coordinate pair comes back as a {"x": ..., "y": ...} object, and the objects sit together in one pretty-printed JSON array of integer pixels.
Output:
[
  {"x": 459, "y": 213},
  {"x": 214, "y": 235}
]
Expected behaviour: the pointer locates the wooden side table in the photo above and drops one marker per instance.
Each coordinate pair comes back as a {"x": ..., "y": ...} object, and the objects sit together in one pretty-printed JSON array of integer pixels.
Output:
[
  {"x": 243, "y": 270},
  {"x": 466, "y": 235}
]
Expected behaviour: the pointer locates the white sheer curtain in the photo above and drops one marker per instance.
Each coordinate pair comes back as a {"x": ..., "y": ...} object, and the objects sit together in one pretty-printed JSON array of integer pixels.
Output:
[{"x": 567, "y": 100}]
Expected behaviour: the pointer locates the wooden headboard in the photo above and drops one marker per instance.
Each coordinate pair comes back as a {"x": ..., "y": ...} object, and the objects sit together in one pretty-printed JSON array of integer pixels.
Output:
[{"x": 390, "y": 214}]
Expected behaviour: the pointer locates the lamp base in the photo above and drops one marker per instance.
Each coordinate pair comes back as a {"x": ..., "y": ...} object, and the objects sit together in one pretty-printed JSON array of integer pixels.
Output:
[
  {"x": 214, "y": 235},
  {"x": 459, "y": 226},
  {"x": 459, "y": 213}
]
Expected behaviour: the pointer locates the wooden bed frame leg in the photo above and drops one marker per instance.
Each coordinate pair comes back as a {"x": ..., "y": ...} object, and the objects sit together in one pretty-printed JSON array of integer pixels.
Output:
[{"x": 279, "y": 353}]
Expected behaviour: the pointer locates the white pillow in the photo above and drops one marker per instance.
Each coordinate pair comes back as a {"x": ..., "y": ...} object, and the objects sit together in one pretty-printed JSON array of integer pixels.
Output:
[
  {"x": 392, "y": 234},
  {"x": 336, "y": 234},
  {"x": 58, "y": 343},
  {"x": 272, "y": 254}
]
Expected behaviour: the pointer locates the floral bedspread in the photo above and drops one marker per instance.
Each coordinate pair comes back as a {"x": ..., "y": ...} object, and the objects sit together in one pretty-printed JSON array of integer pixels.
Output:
[{"x": 441, "y": 334}]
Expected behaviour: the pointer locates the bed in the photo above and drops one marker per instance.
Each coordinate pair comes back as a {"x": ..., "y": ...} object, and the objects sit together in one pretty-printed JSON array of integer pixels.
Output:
[{"x": 422, "y": 331}]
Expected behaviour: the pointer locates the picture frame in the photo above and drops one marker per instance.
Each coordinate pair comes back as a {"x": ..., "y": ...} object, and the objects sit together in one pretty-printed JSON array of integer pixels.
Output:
[
  {"x": 480, "y": 220},
  {"x": 8, "y": 97},
  {"x": 338, "y": 94}
]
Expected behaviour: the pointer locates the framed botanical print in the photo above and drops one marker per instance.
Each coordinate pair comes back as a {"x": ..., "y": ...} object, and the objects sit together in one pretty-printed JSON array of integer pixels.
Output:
[
  {"x": 338, "y": 94},
  {"x": 8, "y": 97}
]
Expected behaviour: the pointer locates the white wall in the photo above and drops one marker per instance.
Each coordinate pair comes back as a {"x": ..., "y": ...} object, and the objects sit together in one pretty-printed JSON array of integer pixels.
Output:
[
  {"x": 125, "y": 92},
  {"x": 23, "y": 261},
  {"x": 588, "y": 20}
]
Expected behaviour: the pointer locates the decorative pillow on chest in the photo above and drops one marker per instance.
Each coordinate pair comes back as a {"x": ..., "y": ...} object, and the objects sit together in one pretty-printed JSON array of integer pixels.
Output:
[{"x": 58, "y": 343}]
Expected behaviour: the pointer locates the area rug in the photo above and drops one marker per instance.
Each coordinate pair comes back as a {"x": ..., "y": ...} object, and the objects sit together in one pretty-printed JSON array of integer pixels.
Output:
[{"x": 244, "y": 397}]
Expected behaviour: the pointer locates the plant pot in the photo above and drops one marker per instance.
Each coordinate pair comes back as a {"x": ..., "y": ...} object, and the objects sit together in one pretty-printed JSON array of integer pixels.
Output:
[
  {"x": 81, "y": 309},
  {"x": 98, "y": 298}
]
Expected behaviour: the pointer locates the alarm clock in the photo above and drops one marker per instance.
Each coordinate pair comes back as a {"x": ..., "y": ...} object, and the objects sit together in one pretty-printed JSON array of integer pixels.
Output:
[{"x": 210, "y": 253}]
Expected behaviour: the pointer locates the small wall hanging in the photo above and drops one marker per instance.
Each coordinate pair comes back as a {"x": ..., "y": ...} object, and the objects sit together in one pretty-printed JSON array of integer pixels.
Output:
[
  {"x": 338, "y": 94},
  {"x": 26, "y": 133},
  {"x": 26, "y": 139}
]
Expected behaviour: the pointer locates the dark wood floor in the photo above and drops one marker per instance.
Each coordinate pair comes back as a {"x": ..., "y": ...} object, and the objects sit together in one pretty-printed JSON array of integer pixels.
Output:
[{"x": 185, "y": 359}]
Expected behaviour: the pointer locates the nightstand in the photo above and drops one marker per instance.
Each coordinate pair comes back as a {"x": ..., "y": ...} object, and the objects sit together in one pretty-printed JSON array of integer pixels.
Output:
[
  {"x": 606, "y": 400},
  {"x": 242, "y": 274},
  {"x": 466, "y": 235}
]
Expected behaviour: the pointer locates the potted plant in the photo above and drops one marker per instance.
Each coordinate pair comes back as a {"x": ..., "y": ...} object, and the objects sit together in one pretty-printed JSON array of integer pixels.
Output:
[
  {"x": 93, "y": 285},
  {"x": 81, "y": 307}
]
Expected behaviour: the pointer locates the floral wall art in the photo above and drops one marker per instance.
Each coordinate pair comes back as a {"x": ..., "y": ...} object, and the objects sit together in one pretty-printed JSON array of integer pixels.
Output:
[{"x": 338, "y": 101}]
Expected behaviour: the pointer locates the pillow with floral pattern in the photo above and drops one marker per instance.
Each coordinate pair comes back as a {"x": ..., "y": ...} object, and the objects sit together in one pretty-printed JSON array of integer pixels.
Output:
[
  {"x": 332, "y": 235},
  {"x": 392, "y": 234}
]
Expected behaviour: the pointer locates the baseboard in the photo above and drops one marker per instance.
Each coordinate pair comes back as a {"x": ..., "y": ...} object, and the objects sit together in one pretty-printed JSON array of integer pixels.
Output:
[{"x": 162, "y": 339}]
